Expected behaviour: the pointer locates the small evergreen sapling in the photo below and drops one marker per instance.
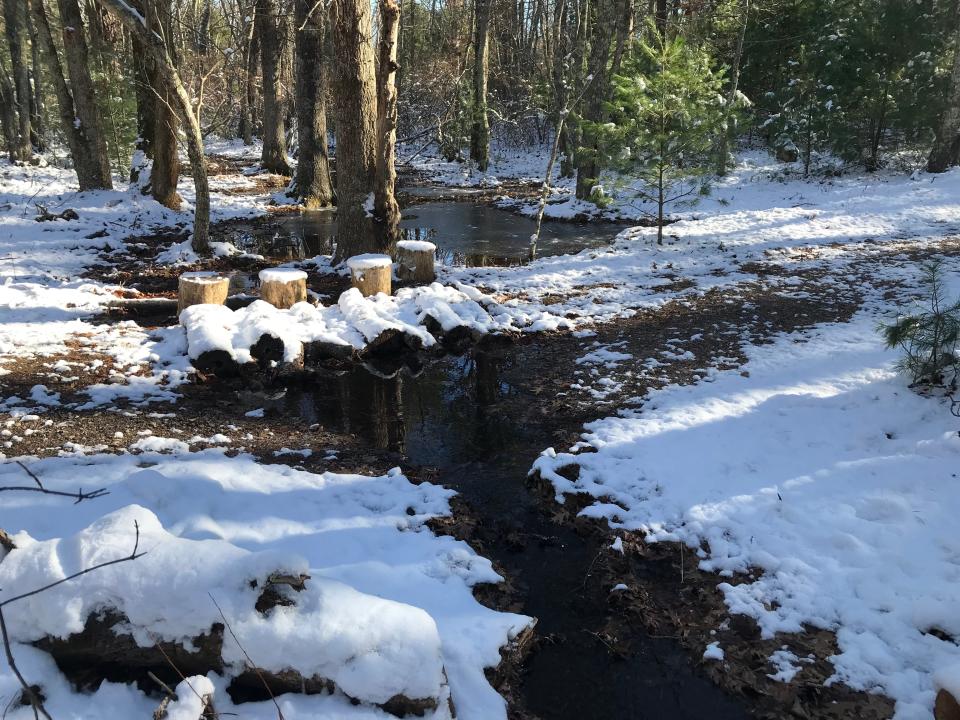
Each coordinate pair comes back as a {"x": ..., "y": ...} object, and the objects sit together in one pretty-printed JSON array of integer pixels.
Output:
[
  {"x": 929, "y": 337},
  {"x": 666, "y": 113}
]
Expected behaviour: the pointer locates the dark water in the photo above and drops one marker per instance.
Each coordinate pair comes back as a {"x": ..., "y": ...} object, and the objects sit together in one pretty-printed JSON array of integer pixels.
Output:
[
  {"x": 465, "y": 233},
  {"x": 470, "y": 417}
]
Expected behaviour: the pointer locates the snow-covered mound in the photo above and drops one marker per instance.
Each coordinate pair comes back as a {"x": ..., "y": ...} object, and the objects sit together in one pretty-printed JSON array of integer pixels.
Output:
[
  {"x": 420, "y": 315},
  {"x": 387, "y": 611},
  {"x": 817, "y": 470}
]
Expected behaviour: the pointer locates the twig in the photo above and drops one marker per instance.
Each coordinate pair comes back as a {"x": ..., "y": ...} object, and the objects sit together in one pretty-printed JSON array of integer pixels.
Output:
[
  {"x": 78, "y": 496},
  {"x": 30, "y": 693},
  {"x": 250, "y": 661}
]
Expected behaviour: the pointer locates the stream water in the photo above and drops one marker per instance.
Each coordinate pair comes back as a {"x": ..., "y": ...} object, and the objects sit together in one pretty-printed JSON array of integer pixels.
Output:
[
  {"x": 465, "y": 233},
  {"x": 468, "y": 416}
]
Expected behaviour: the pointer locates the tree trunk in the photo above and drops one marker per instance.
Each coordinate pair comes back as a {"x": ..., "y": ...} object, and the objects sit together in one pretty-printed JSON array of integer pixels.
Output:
[
  {"x": 355, "y": 103},
  {"x": 312, "y": 185},
  {"x": 588, "y": 167},
  {"x": 163, "y": 149},
  {"x": 723, "y": 148},
  {"x": 249, "y": 100},
  {"x": 480, "y": 124},
  {"x": 8, "y": 116},
  {"x": 15, "y": 17},
  {"x": 36, "y": 82},
  {"x": 157, "y": 49},
  {"x": 386, "y": 211},
  {"x": 85, "y": 159},
  {"x": 947, "y": 145},
  {"x": 274, "y": 156},
  {"x": 84, "y": 96}
]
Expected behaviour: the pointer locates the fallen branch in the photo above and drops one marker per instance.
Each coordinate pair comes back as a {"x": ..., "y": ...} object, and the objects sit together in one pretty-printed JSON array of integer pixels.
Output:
[
  {"x": 78, "y": 496},
  {"x": 35, "y": 702}
]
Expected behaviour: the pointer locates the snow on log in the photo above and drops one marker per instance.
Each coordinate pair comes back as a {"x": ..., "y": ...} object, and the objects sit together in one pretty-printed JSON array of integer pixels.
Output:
[
  {"x": 114, "y": 621},
  {"x": 283, "y": 287},
  {"x": 415, "y": 260},
  {"x": 371, "y": 273},
  {"x": 202, "y": 288}
]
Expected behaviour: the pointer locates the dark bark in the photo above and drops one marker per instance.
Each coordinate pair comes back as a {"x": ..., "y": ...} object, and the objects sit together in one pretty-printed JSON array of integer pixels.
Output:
[
  {"x": 723, "y": 149},
  {"x": 154, "y": 45},
  {"x": 312, "y": 185},
  {"x": 37, "y": 130},
  {"x": 85, "y": 160},
  {"x": 165, "y": 171},
  {"x": 15, "y": 17},
  {"x": 946, "y": 147},
  {"x": 8, "y": 116},
  {"x": 248, "y": 102},
  {"x": 355, "y": 110},
  {"x": 480, "y": 123},
  {"x": 274, "y": 156},
  {"x": 386, "y": 211},
  {"x": 588, "y": 167},
  {"x": 84, "y": 96}
]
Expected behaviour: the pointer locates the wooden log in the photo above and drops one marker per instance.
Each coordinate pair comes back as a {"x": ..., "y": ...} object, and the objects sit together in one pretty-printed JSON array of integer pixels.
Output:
[
  {"x": 283, "y": 287},
  {"x": 415, "y": 261},
  {"x": 946, "y": 706},
  {"x": 371, "y": 273},
  {"x": 199, "y": 288}
]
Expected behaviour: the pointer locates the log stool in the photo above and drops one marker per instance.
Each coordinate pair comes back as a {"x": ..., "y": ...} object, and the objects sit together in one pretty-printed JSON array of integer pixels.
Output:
[
  {"x": 283, "y": 287},
  {"x": 371, "y": 273},
  {"x": 415, "y": 261},
  {"x": 205, "y": 287}
]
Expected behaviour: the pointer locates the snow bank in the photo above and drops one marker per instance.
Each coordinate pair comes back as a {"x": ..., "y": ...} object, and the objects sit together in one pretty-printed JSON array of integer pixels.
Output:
[
  {"x": 356, "y": 321},
  {"x": 388, "y": 608},
  {"x": 821, "y": 474}
]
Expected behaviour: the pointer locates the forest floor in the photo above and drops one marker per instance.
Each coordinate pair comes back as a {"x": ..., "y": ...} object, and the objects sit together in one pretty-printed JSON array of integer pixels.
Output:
[{"x": 739, "y": 471}]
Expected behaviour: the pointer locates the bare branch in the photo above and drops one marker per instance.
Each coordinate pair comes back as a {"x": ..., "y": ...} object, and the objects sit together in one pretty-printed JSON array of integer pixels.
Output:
[{"x": 78, "y": 496}]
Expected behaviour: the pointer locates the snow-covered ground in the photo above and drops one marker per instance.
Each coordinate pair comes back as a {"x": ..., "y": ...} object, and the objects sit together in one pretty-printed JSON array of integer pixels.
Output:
[{"x": 813, "y": 466}]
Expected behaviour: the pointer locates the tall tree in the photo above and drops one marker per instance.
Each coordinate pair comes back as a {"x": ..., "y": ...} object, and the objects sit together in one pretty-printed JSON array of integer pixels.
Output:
[
  {"x": 312, "y": 184},
  {"x": 386, "y": 211},
  {"x": 588, "y": 167},
  {"x": 157, "y": 49},
  {"x": 946, "y": 147},
  {"x": 355, "y": 112},
  {"x": 84, "y": 95},
  {"x": 15, "y": 17},
  {"x": 723, "y": 147},
  {"x": 479, "y": 122},
  {"x": 248, "y": 101},
  {"x": 85, "y": 154},
  {"x": 274, "y": 155}
]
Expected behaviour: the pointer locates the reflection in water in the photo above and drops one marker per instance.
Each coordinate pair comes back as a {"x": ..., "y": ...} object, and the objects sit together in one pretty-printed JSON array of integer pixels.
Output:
[
  {"x": 465, "y": 234},
  {"x": 446, "y": 414}
]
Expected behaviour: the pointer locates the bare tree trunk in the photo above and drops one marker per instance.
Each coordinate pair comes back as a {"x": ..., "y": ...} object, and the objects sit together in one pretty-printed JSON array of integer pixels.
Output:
[
  {"x": 274, "y": 156},
  {"x": 251, "y": 50},
  {"x": 312, "y": 185},
  {"x": 946, "y": 148},
  {"x": 36, "y": 83},
  {"x": 85, "y": 160},
  {"x": 723, "y": 149},
  {"x": 84, "y": 96},
  {"x": 480, "y": 124},
  {"x": 156, "y": 47},
  {"x": 163, "y": 149},
  {"x": 355, "y": 109},
  {"x": 8, "y": 115},
  {"x": 386, "y": 211},
  {"x": 15, "y": 17},
  {"x": 588, "y": 167}
]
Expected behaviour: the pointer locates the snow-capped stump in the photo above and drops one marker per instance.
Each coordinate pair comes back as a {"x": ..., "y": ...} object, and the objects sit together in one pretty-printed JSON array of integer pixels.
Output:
[
  {"x": 202, "y": 288},
  {"x": 283, "y": 287},
  {"x": 371, "y": 273},
  {"x": 415, "y": 261}
]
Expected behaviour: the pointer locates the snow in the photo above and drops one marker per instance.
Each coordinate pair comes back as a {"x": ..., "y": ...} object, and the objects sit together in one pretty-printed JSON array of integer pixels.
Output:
[
  {"x": 388, "y": 607},
  {"x": 417, "y": 246},
  {"x": 281, "y": 275},
  {"x": 713, "y": 652},
  {"x": 822, "y": 476},
  {"x": 368, "y": 261},
  {"x": 203, "y": 277}
]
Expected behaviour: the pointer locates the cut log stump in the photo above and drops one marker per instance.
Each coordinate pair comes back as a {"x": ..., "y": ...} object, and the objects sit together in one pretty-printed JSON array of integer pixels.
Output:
[
  {"x": 415, "y": 261},
  {"x": 283, "y": 287},
  {"x": 200, "y": 288},
  {"x": 371, "y": 273}
]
